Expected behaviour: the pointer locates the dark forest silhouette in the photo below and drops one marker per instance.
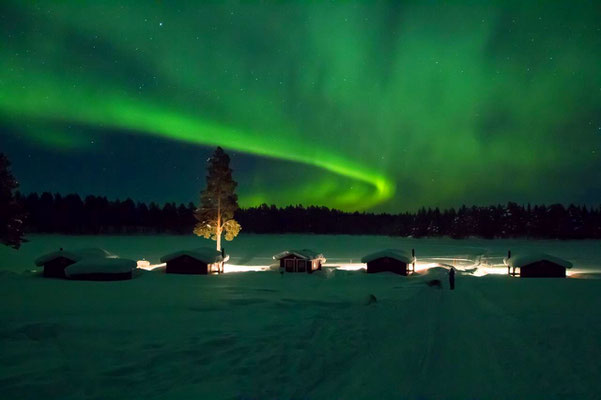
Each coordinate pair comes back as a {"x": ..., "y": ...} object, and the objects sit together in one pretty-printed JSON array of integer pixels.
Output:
[
  {"x": 11, "y": 213},
  {"x": 70, "y": 214}
]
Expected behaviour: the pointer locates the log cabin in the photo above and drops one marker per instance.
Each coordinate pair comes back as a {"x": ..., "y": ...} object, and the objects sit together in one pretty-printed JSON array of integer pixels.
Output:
[
  {"x": 390, "y": 260},
  {"x": 197, "y": 261},
  {"x": 536, "y": 265},
  {"x": 304, "y": 260},
  {"x": 54, "y": 263}
]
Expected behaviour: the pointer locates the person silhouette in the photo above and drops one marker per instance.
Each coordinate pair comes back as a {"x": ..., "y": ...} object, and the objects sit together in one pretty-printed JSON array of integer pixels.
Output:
[{"x": 452, "y": 278}]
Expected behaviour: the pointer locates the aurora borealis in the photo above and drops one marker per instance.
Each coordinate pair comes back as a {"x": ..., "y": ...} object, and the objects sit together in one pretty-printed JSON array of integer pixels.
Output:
[{"x": 355, "y": 105}]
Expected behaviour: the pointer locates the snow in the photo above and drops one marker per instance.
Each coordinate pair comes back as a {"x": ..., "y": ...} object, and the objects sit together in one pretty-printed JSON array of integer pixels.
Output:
[
  {"x": 396, "y": 254},
  {"x": 74, "y": 255},
  {"x": 520, "y": 260},
  {"x": 306, "y": 254},
  {"x": 333, "y": 334},
  {"x": 95, "y": 265},
  {"x": 206, "y": 255},
  {"x": 342, "y": 250}
]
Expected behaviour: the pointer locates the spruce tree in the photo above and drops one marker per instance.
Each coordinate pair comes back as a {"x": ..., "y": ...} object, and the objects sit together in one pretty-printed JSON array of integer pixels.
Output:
[
  {"x": 11, "y": 216},
  {"x": 218, "y": 202}
]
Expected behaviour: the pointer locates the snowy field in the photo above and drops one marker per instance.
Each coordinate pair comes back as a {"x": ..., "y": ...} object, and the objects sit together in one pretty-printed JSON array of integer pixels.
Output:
[
  {"x": 263, "y": 335},
  {"x": 249, "y": 252}
]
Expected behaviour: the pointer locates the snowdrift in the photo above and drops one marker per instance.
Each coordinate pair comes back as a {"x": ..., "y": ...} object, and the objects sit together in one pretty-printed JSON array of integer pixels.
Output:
[{"x": 103, "y": 269}]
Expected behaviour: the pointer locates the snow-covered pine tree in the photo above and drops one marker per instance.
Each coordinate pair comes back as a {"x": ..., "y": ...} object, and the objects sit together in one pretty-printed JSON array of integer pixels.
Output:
[
  {"x": 218, "y": 202},
  {"x": 11, "y": 215}
]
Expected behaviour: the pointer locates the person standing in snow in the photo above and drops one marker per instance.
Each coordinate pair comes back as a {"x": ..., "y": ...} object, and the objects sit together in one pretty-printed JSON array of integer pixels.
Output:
[{"x": 452, "y": 278}]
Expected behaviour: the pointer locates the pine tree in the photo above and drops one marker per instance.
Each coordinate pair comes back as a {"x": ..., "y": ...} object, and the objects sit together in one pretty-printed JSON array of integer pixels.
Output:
[
  {"x": 11, "y": 216},
  {"x": 218, "y": 202}
]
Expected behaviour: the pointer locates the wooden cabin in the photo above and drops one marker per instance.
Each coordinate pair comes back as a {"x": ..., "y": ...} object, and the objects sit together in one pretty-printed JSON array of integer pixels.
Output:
[
  {"x": 536, "y": 266},
  {"x": 54, "y": 263},
  {"x": 101, "y": 269},
  {"x": 300, "y": 260},
  {"x": 201, "y": 261},
  {"x": 391, "y": 260}
]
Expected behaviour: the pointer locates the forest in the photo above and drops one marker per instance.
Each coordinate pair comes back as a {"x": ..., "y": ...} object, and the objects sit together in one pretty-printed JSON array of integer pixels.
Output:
[{"x": 70, "y": 214}]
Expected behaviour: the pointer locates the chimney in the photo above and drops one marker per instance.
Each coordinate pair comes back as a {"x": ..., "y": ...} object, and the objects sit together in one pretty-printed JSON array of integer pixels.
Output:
[
  {"x": 412, "y": 252},
  {"x": 508, "y": 254},
  {"x": 223, "y": 252}
]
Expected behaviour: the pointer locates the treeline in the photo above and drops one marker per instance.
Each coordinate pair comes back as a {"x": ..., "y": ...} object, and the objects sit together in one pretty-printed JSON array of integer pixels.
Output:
[
  {"x": 500, "y": 221},
  {"x": 70, "y": 214},
  {"x": 54, "y": 213}
]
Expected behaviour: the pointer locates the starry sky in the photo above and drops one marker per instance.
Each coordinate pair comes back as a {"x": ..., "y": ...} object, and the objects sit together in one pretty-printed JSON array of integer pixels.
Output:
[{"x": 380, "y": 105}]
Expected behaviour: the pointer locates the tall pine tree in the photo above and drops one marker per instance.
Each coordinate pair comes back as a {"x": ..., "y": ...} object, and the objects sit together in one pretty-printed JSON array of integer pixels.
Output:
[
  {"x": 218, "y": 201},
  {"x": 11, "y": 216}
]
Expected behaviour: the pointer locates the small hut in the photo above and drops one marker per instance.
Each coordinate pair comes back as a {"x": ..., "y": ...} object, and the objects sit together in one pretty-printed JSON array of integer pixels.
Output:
[
  {"x": 300, "y": 260},
  {"x": 536, "y": 265},
  {"x": 101, "y": 269},
  {"x": 55, "y": 263},
  {"x": 197, "y": 261},
  {"x": 391, "y": 260}
]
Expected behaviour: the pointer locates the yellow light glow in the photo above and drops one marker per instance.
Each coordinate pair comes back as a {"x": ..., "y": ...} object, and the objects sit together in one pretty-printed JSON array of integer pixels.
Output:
[
  {"x": 150, "y": 267},
  {"x": 229, "y": 268},
  {"x": 483, "y": 270},
  {"x": 348, "y": 266}
]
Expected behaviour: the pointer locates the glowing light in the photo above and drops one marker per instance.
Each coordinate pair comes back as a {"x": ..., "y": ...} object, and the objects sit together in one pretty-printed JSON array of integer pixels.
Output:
[
  {"x": 62, "y": 101},
  {"x": 419, "y": 266},
  {"x": 339, "y": 98},
  {"x": 348, "y": 266},
  {"x": 150, "y": 267},
  {"x": 423, "y": 266},
  {"x": 489, "y": 270},
  {"x": 230, "y": 268}
]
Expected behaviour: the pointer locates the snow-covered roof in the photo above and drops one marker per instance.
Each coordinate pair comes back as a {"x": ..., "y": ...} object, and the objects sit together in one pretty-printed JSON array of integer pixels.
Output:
[
  {"x": 207, "y": 255},
  {"x": 521, "y": 260},
  {"x": 95, "y": 265},
  {"x": 306, "y": 254},
  {"x": 396, "y": 254},
  {"x": 74, "y": 255}
]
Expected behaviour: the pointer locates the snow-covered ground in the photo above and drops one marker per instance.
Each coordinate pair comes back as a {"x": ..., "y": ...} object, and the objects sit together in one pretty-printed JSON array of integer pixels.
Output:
[
  {"x": 344, "y": 251},
  {"x": 263, "y": 335}
]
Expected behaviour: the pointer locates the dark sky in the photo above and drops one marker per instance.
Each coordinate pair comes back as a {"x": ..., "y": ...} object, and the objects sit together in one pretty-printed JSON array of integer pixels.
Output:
[{"x": 356, "y": 105}]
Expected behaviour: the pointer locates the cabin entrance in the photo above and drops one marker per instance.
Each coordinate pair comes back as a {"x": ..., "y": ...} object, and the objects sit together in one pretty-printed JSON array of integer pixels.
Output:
[{"x": 295, "y": 265}]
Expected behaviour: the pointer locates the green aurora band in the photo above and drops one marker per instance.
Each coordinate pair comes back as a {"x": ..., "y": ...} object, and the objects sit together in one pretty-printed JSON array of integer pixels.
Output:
[{"x": 401, "y": 104}]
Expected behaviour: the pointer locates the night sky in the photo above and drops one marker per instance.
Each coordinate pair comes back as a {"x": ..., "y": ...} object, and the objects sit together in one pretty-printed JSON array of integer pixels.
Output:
[{"x": 383, "y": 106}]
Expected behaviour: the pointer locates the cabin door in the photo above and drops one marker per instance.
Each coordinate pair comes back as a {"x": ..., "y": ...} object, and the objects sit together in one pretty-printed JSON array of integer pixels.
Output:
[{"x": 289, "y": 265}]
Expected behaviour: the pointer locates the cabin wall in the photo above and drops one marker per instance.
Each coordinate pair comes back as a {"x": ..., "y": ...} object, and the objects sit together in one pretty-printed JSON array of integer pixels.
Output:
[
  {"x": 215, "y": 268},
  {"x": 542, "y": 269},
  {"x": 387, "y": 264},
  {"x": 186, "y": 265},
  {"x": 56, "y": 267},
  {"x": 103, "y": 277},
  {"x": 296, "y": 264}
]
